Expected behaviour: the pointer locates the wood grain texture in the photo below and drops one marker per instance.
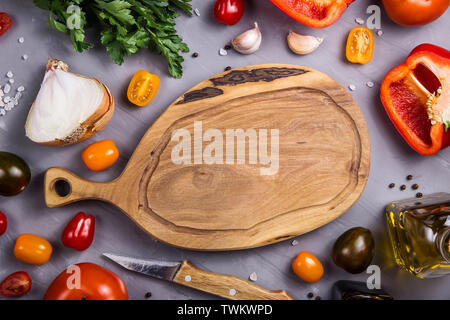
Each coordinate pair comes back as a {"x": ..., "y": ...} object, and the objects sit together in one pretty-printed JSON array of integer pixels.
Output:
[
  {"x": 225, "y": 286},
  {"x": 324, "y": 156}
]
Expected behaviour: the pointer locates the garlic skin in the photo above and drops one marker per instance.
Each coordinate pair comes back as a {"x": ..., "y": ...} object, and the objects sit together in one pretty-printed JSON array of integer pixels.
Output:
[
  {"x": 302, "y": 44},
  {"x": 68, "y": 108},
  {"x": 249, "y": 41}
]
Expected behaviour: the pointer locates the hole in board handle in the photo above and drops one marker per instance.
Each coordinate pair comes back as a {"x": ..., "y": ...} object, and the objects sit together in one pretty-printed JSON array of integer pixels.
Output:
[{"x": 62, "y": 187}]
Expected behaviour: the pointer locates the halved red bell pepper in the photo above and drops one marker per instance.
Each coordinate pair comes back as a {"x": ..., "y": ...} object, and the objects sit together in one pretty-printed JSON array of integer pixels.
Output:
[
  {"x": 79, "y": 232},
  {"x": 313, "y": 13},
  {"x": 416, "y": 96}
]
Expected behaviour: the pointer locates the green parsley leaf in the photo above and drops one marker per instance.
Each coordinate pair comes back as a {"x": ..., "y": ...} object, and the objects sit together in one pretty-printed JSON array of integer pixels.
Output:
[{"x": 128, "y": 25}]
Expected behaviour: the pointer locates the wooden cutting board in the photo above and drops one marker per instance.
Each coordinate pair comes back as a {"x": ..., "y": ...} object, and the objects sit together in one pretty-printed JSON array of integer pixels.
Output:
[{"x": 246, "y": 201}]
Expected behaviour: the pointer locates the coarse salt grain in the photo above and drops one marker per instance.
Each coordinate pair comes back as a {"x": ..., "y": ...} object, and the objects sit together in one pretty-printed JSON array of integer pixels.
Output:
[
  {"x": 21, "y": 40},
  {"x": 25, "y": 57},
  {"x": 21, "y": 88},
  {"x": 11, "y": 80},
  {"x": 253, "y": 277},
  {"x": 294, "y": 242},
  {"x": 2, "y": 112},
  {"x": 6, "y": 99},
  {"x": 352, "y": 87},
  {"x": 380, "y": 33},
  {"x": 223, "y": 52},
  {"x": 197, "y": 12},
  {"x": 6, "y": 88},
  {"x": 9, "y": 74},
  {"x": 370, "y": 84},
  {"x": 359, "y": 21}
]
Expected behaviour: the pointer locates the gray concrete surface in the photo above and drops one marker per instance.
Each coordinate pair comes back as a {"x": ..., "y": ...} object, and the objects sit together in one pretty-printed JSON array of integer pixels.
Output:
[{"x": 392, "y": 159}]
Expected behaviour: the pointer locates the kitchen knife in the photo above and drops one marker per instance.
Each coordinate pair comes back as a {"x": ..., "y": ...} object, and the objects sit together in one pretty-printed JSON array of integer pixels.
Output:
[{"x": 184, "y": 273}]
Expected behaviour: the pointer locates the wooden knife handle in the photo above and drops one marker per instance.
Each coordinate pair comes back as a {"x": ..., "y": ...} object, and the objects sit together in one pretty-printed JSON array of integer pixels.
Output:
[
  {"x": 79, "y": 189},
  {"x": 225, "y": 286}
]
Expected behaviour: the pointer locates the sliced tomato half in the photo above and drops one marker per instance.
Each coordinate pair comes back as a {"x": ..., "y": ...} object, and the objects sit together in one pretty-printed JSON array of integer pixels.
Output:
[{"x": 313, "y": 13}]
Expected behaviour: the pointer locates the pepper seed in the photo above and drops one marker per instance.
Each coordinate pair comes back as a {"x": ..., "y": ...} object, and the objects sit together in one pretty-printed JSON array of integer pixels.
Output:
[
  {"x": 415, "y": 186},
  {"x": 391, "y": 185},
  {"x": 419, "y": 195},
  {"x": 310, "y": 295},
  {"x": 409, "y": 177},
  {"x": 228, "y": 68},
  {"x": 195, "y": 54},
  {"x": 148, "y": 295},
  {"x": 402, "y": 187}
]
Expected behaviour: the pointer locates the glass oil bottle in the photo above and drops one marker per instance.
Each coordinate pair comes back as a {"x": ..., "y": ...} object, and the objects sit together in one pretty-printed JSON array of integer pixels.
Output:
[{"x": 419, "y": 231}]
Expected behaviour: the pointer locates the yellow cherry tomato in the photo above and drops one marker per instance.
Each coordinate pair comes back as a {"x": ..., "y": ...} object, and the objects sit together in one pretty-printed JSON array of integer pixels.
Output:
[
  {"x": 307, "y": 267},
  {"x": 100, "y": 155},
  {"x": 142, "y": 88},
  {"x": 359, "y": 45},
  {"x": 32, "y": 249}
]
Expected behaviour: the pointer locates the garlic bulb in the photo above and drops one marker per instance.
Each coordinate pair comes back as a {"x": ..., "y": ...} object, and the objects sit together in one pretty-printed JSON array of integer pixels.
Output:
[
  {"x": 303, "y": 44},
  {"x": 249, "y": 41},
  {"x": 68, "y": 108}
]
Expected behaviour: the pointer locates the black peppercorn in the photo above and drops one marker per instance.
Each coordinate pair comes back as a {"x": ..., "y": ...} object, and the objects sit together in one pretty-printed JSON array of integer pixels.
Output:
[
  {"x": 402, "y": 187},
  {"x": 227, "y": 47},
  {"x": 195, "y": 54},
  {"x": 310, "y": 295},
  {"x": 415, "y": 186},
  {"x": 148, "y": 295},
  {"x": 391, "y": 185},
  {"x": 419, "y": 195},
  {"x": 409, "y": 177},
  {"x": 318, "y": 298},
  {"x": 228, "y": 68}
]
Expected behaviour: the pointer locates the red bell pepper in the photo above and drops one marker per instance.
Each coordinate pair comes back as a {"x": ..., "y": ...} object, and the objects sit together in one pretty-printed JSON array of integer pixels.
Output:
[
  {"x": 416, "y": 96},
  {"x": 79, "y": 232},
  {"x": 313, "y": 13}
]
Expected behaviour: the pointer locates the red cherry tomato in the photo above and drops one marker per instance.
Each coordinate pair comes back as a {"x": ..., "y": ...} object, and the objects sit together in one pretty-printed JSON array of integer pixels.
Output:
[
  {"x": 228, "y": 11},
  {"x": 3, "y": 223},
  {"x": 79, "y": 232},
  {"x": 5, "y": 22},
  {"x": 16, "y": 284}
]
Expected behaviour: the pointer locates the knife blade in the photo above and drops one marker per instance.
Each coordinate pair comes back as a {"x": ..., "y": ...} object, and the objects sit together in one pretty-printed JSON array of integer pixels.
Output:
[{"x": 184, "y": 273}]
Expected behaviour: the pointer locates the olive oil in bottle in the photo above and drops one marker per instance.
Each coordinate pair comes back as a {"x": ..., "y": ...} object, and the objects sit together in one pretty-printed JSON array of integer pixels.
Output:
[{"x": 419, "y": 230}]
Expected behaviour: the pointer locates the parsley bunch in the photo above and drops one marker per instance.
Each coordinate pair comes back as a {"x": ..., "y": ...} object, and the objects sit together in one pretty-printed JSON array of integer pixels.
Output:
[{"x": 127, "y": 26}]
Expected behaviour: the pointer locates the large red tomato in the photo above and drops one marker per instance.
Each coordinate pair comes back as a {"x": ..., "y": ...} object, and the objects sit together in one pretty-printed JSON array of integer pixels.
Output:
[
  {"x": 95, "y": 283},
  {"x": 415, "y": 12}
]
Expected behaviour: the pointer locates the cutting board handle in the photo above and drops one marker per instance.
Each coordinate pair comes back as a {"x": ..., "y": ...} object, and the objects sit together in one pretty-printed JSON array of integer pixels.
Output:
[{"x": 62, "y": 187}]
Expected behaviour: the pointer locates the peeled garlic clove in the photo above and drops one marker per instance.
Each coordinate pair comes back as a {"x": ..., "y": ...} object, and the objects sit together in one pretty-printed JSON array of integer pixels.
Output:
[
  {"x": 69, "y": 107},
  {"x": 248, "y": 42},
  {"x": 303, "y": 44}
]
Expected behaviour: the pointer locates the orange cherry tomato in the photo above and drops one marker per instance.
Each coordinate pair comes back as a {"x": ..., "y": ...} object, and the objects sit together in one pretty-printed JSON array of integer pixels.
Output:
[
  {"x": 359, "y": 45},
  {"x": 32, "y": 249},
  {"x": 307, "y": 267},
  {"x": 142, "y": 88},
  {"x": 100, "y": 155},
  {"x": 95, "y": 283},
  {"x": 415, "y": 12}
]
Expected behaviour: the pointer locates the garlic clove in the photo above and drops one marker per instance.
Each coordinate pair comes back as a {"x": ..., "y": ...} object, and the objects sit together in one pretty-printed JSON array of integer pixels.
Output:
[
  {"x": 303, "y": 44},
  {"x": 68, "y": 108},
  {"x": 249, "y": 41}
]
